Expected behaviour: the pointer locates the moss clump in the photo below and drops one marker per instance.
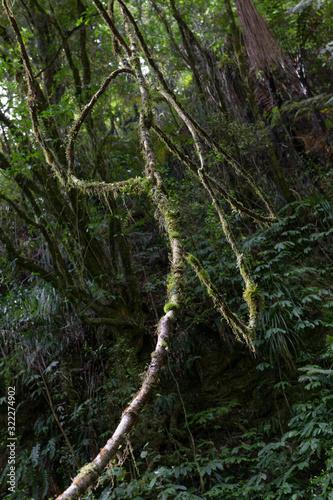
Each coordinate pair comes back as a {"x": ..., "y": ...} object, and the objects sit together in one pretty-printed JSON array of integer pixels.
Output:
[
  {"x": 253, "y": 298},
  {"x": 171, "y": 306},
  {"x": 172, "y": 285},
  {"x": 86, "y": 469},
  {"x": 132, "y": 186},
  {"x": 135, "y": 185},
  {"x": 201, "y": 272},
  {"x": 174, "y": 234},
  {"x": 193, "y": 260},
  {"x": 172, "y": 214}
]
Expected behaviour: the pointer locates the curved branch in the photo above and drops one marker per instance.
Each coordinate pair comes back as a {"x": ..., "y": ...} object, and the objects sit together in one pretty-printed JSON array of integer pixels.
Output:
[
  {"x": 80, "y": 121},
  {"x": 91, "y": 472},
  {"x": 234, "y": 203},
  {"x": 193, "y": 126},
  {"x": 112, "y": 27},
  {"x": 132, "y": 185},
  {"x": 50, "y": 63}
]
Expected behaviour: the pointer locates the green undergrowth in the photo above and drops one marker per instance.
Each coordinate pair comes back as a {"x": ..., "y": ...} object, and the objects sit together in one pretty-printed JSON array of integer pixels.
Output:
[
  {"x": 291, "y": 264},
  {"x": 289, "y": 459},
  {"x": 258, "y": 464}
]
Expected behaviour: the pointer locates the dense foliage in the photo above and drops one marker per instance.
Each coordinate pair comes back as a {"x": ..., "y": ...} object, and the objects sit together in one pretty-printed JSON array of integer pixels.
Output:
[{"x": 166, "y": 220}]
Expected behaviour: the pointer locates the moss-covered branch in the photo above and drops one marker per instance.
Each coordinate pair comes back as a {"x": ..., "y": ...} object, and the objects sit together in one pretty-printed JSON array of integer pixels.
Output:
[
  {"x": 217, "y": 187},
  {"x": 241, "y": 331},
  {"x": 195, "y": 129},
  {"x": 85, "y": 113},
  {"x": 114, "y": 31},
  {"x": 91, "y": 472},
  {"x": 133, "y": 186}
]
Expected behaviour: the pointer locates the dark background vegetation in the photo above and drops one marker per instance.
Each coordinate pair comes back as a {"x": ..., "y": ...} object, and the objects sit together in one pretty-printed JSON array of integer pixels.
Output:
[{"x": 83, "y": 274}]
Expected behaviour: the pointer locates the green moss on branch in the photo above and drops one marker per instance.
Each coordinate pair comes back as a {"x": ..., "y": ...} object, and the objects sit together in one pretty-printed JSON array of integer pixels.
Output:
[
  {"x": 171, "y": 306},
  {"x": 241, "y": 331},
  {"x": 133, "y": 186},
  {"x": 254, "y": 300}
]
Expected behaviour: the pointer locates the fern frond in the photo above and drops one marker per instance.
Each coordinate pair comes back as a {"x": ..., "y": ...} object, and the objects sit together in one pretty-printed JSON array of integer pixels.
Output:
[
  {"x": 321, "y": 102},
  {"x": 34, "y": 455}
]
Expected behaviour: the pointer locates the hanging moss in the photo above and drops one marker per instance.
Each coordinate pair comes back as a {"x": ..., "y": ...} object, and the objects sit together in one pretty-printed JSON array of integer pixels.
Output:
[
  {"x": 132, "y": 186},
  {"x": 135, "y": 185}
]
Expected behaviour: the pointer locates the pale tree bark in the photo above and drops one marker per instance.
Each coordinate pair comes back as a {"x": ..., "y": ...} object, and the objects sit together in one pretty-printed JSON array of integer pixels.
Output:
[{"x": 90, "y": 473}]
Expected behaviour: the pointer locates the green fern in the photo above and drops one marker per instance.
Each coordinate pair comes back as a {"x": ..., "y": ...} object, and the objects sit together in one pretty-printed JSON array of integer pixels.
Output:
[{"x": 321, "y": 102}]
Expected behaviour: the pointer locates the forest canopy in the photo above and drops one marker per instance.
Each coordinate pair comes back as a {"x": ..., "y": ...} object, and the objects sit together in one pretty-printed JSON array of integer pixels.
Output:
[{"x": 165, "y": 244}]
